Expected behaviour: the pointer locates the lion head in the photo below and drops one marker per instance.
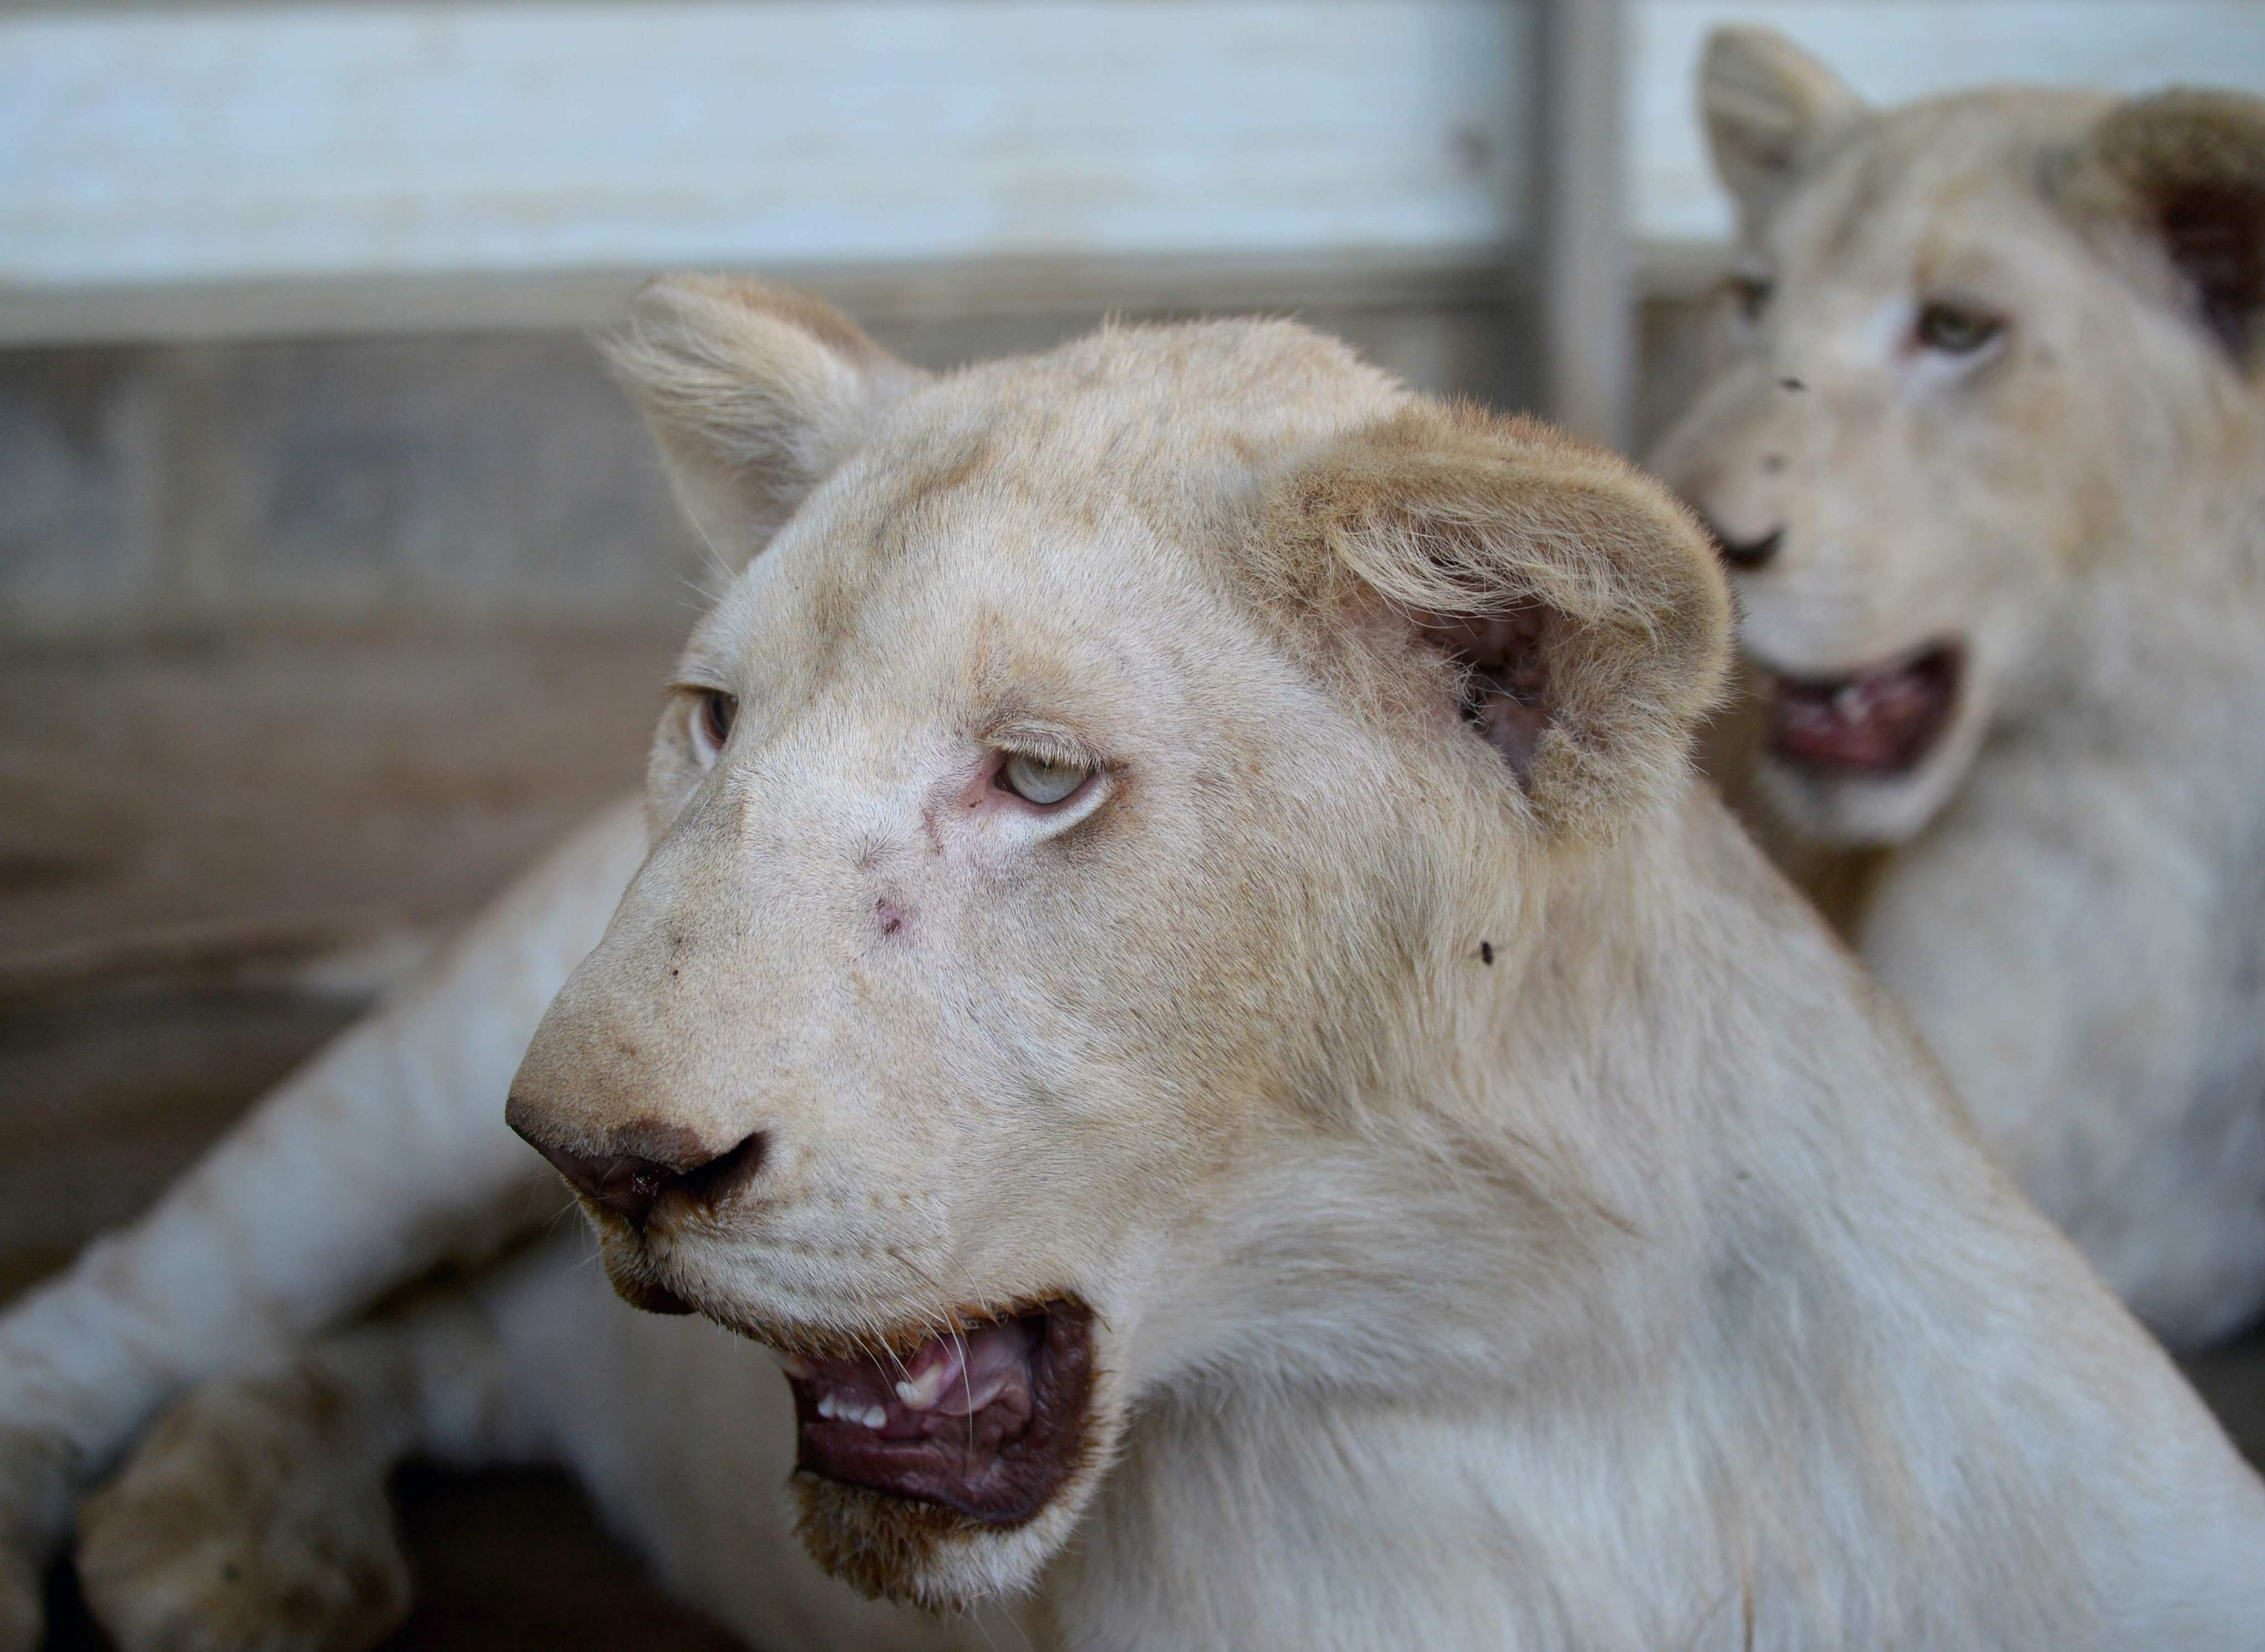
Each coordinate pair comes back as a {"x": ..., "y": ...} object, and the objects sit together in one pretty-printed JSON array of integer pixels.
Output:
[
  {"x": 1088, "y": 809},
  {"x": 1986, "y": 348}
]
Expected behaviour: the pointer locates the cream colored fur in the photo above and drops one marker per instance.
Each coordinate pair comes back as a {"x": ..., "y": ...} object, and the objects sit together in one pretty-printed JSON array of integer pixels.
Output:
[
  {"x": 2072, "y": 907},
  {"x": 1510, "y": 1219}
]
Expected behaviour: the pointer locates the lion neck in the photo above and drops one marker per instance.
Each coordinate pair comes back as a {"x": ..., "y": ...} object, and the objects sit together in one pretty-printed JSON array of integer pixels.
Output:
[{"x": 1661, "y": 1301}]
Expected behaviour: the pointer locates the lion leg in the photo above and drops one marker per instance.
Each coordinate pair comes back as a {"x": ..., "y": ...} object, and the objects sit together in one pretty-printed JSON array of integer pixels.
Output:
[
  {"x": 384, "y": 1156},
  {"x": 254, "y": 1517}
]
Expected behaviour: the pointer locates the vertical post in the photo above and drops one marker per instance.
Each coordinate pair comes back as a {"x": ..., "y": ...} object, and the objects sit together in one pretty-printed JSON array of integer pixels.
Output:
[{"x": 1585, "y": 314}]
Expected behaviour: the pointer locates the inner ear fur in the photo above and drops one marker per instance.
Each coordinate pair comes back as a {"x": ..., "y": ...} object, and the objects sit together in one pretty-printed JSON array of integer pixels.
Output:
[
  {"x": 1770, "y": 110},
  {"x": 2186, "y": 168},
  {"x": 754, "y": 394},
  {"x": 1582, "y": 621}
]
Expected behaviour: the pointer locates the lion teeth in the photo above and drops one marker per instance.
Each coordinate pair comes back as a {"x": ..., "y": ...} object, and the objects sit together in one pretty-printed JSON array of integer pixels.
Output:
[
  {"x": 1848, "y": 701},
  {"x": 833, "y": 1407},
  {"x": 921, "y": 1393},
  {"x": 935, "y": 1369}
]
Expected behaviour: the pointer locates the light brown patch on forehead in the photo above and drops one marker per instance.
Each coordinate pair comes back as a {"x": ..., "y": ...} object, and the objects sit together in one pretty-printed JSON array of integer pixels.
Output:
[
  {"x": 1135, "y": 445},
  {"x": 1165, "y": 424},
  {"x": 1034, "y": 596},
  {"x": 972, "y": 603},
  {"x": 1897, "y": 174}
]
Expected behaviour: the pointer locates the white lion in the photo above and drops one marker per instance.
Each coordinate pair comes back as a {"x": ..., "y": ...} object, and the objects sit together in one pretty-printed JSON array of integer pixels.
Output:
[
  {"x": 1183, "y": 989},
  {"x": 1989, "y": 471}
]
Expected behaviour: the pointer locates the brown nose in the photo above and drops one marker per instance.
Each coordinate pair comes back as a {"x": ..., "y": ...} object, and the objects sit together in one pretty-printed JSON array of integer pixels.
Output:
[
  {"x": 1746, "y": 553},
  {"x": 645, "y": 1164}
]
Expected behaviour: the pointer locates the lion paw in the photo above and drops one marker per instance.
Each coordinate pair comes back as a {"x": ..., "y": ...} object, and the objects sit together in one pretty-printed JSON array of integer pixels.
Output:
[{"x": 254, "y": 1518}]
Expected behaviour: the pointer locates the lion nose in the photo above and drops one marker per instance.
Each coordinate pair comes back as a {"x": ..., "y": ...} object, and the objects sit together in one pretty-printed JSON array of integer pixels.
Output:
[
  {"x": 641, "y": 1166},
  {"x": 1746, "y": 553}
]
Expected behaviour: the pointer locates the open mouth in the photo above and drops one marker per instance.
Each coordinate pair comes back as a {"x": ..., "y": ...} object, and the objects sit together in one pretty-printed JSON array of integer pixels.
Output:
[
  {"x": 1883, "y": 721},
  {"x": 987, "y": 1422}
]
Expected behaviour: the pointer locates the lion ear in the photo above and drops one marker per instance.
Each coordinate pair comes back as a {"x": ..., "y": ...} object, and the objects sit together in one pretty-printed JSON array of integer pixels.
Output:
[
  {"x": 2186, "y": 170},
  {"x": 1559, "y": 602},
  {"x": 1770, "y": 109},
  {"x": 754, "y": 394}
]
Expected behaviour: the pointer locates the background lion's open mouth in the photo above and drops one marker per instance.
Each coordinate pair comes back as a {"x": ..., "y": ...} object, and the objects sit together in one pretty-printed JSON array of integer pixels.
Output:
[
  {"x": 987, "y": 1423},
  {"x": 1882, "y": 721}
]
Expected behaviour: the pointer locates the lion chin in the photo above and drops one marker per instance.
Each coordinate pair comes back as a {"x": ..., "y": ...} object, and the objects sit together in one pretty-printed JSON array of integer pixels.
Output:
[{"x": 910, "y": 1553}]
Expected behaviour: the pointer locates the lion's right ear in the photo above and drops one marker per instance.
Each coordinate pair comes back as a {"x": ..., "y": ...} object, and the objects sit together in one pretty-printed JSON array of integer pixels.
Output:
[
  {"x": 1770, "y": 110},
  {"x": 754, "y": 394},
  {"x": 2185, "y": 170},
  {"x": 1560, "y": 602}
]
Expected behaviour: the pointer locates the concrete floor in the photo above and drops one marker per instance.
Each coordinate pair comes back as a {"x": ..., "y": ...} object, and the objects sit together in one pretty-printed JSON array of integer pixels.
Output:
[{"x": 213, "y": 853}]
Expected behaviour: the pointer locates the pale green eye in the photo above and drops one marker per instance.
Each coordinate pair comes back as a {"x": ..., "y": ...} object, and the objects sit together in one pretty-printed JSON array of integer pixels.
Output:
[
  {"x": 1035, "y": 780},
  {"x": 1955, "y": 330}
]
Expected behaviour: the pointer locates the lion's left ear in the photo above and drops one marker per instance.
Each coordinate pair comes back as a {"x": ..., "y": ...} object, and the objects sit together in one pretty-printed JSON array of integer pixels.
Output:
[
  {"x": 1770, "y": 109},
  {"x": 755, "y": 394},
  {"x": 2186, "y": 170},
  {"x": 1559, "y": 601}
]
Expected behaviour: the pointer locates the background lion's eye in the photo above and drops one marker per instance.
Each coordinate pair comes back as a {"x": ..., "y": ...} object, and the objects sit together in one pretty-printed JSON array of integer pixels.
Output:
[
  {"x": 1955, "y": 330},
  {"x": 713, "y": 717},
  {"x": 1035, "y": 780}
]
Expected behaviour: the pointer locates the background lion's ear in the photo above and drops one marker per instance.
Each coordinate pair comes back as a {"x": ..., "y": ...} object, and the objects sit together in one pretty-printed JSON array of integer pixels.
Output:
[
  {"x": 1770, "y": 109},
  {"x": 2186, "y": 170},
  {"x": 754, "y": 394},
  {"x": 1559, "y": 601}
]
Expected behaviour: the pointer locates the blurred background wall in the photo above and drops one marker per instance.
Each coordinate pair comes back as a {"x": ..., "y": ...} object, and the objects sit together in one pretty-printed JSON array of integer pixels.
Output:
[
  {"x": 335, "y": 578},
  {"x": 201, "y": 205}
]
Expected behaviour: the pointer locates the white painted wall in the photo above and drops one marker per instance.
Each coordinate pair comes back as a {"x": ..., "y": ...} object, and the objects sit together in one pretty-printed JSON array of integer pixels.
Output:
[
  {"x": 1891, "y": 50},
  {"x": 442, "y": 138},
  {"x": 243, "y": 146}
]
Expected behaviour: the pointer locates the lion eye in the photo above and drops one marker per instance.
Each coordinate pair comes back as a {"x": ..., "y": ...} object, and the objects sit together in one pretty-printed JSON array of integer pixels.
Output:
[
  {"x": 1751, "y": 294},
  {"x": 1034, "y": 780},
  {"x": 1955, "y": 331},
  {"x": 713, "y": 717}
]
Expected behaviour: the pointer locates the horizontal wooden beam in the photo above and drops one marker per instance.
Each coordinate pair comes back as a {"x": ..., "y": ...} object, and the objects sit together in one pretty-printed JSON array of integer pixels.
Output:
[
  {"x": 348, "y": 306},
  {"x": 376, "y": 306}
]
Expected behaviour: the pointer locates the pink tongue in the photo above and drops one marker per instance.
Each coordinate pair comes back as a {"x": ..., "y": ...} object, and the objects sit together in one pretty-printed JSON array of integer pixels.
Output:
[
  {"x": 1870, "y": 723},
  {"x": 952, "y": 1376},
  {"x": 996, "y": 1356}
]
